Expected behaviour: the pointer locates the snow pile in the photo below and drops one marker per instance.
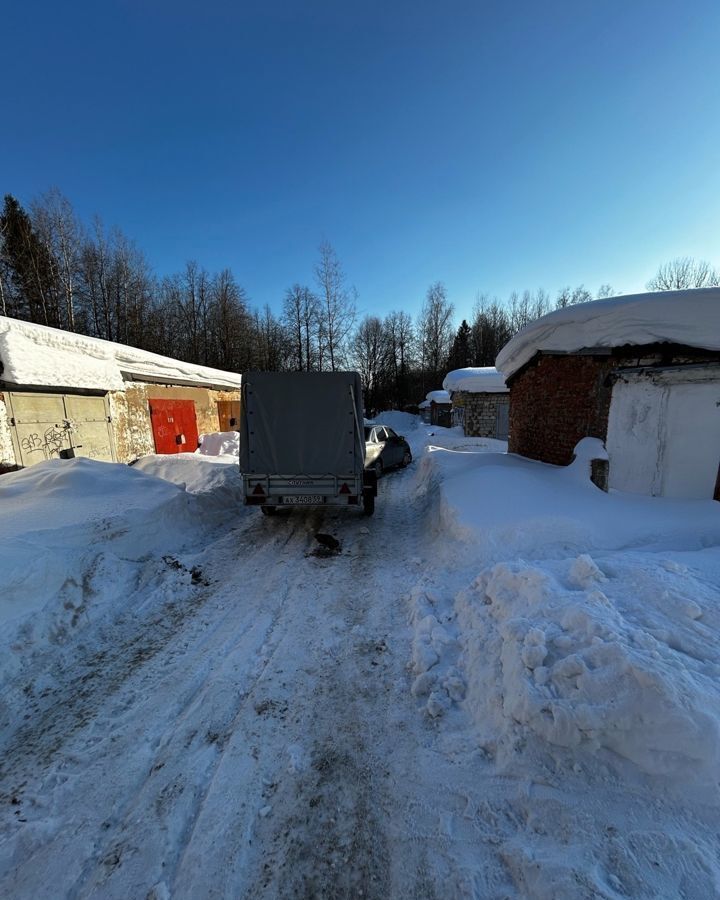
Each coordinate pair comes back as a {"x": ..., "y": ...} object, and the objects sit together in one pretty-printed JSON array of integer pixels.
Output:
[
  {"x": 507, "y": 507},
  {"x": 400, "y": 422},
  {"x": 689, "y": 317},
  {"x": 482, "y": 380},
  {"x": 437, "y": 397},
  {"x": 207, "y": 475},
  {"x": 561, "y": 659},
  {"x": 220, "y": 443},
  {"x": 37, "y": 355},
  {"x": 74, "y": 535},
  {"x": 65, "y": 517},
  {"x": 591, "y": 631},
  {"x": 435, "y": 650}
]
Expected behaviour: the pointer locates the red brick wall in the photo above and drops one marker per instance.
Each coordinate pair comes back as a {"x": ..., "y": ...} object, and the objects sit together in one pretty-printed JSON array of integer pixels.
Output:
[{"x": 554, "y": 402}]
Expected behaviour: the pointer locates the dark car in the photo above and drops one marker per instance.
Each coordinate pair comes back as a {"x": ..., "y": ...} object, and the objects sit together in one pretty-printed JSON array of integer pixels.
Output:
[{"x": 384, "y": 449}]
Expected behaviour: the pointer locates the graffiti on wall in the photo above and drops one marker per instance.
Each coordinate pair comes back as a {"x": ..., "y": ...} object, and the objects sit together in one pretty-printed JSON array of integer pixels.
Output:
[{"x": 51, "y": 441}]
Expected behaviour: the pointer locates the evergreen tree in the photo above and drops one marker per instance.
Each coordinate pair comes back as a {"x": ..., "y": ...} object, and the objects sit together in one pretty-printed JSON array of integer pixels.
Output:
[
  {"x": 31, "y": 266},
  {"x": 460, "y": 355}
]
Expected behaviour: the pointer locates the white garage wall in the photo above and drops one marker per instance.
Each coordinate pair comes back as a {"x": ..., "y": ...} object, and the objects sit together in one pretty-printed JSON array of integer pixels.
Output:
[
  {"x": 664, "y": 434},
  {"x": 692, "y": 442}
]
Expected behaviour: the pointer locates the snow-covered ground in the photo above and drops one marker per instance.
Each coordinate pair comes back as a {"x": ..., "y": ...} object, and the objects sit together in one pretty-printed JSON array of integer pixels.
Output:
[{"x": 506, "y": 684}]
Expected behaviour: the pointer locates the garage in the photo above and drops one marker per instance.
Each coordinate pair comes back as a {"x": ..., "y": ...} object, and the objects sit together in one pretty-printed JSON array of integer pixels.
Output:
[
  {"x": 46, "y": 426},
  {"x": 64, "y": 394}
]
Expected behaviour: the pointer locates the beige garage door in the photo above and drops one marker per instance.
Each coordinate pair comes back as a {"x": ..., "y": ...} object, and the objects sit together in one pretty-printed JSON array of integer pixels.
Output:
[{"x": 45, "y": 425}]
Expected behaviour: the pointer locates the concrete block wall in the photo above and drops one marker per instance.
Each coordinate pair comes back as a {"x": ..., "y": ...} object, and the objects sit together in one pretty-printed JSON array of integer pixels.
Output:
[{"x": 481, "y": 409}]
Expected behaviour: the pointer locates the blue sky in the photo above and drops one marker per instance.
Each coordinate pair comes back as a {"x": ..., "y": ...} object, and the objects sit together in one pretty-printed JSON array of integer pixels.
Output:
[{"x": 490, "y": 146}]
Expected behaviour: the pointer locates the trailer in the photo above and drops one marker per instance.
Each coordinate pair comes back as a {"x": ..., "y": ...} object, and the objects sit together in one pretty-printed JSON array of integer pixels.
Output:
[{"x": 302, "y": 441}]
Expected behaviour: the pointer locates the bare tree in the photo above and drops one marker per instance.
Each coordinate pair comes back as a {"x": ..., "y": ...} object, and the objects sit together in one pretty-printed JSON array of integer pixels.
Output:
[
  {"x": 271, "y": 349},
  {"x": 370, "y": 355},
  {"x": 400, "y": 335},
  {"x": 337, "y": 306},
  {"x": 490, "y": 330},
  {"x": 527, "y": 307},
  {"x": 684, "y": 272},
  {"x": 60, "y": 230},
  {"x": 570, "y": 296},
  {"x": 231, "y": 329},
  {"x": 435, "y": 331},
  {"x": 300, "y": 316}
]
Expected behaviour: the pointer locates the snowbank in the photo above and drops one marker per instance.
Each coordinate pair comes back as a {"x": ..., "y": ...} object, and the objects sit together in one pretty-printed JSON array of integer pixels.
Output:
[
  {"x": 400, "y": 422},
  {"x": 38, "y": 355},
  {"x": 75, "y": 536},
  {"x": 591, "y": 629},
  {"x": 220, "y": 443},
  {"x": 59, "y": 514},
  {"x": 197, "y": 473},
  {"x": 483, "y": 380},
  {"x": 683, "y": 317},
  {"x": 506, "y": 506}
]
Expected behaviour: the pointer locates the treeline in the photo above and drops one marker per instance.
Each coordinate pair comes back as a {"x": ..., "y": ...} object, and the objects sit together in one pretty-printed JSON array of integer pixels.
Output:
[{"x": 56, "y": 270}]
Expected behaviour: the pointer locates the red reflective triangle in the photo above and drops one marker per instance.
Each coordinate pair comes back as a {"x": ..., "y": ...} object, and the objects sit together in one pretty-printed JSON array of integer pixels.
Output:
[{"x": 258, "y": 489}]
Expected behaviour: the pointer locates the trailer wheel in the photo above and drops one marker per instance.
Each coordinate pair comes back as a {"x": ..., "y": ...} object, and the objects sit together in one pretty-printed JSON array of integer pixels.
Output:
[
  {"x": 269, "y": 510},
  {"x": 368, "y": 502}
]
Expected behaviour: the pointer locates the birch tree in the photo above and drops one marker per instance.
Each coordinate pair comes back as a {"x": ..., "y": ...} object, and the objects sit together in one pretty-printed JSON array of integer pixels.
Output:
[
  {"x": 336, "y": 308},
  {"x": 300, "y": 317},
  {"x": 435, "y": 331}
]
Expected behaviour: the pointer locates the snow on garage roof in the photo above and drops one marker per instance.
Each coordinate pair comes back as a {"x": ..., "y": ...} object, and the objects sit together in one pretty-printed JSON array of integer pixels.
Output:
[
  {"x": 483, "y": 380},
  {"x": 689, "y": 317},
  {"x": 48, "y": 357},
  {"x": 438, "y": 397}
]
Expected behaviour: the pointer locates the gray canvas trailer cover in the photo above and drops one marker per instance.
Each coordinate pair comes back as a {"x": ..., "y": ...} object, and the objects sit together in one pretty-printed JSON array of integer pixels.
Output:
[
  {"x": 302, "y": 439},
  {"x": 302, "y": 423}
]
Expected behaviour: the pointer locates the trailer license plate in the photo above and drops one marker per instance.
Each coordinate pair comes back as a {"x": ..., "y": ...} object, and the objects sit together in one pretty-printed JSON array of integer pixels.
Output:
[{"x": 310, "y": 499}]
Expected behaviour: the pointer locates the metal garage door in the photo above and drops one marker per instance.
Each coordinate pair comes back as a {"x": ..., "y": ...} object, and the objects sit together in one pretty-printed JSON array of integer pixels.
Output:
[
  {"x": 45, "y": 425},
  {"x": 664, "y": 435},
  {"x": 174, "y": 425},
  {"x": 229, "y": 415}
]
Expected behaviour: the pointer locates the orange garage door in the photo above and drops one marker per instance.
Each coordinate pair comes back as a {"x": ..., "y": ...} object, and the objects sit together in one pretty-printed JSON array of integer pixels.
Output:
[{"x": 174, "y": 426}]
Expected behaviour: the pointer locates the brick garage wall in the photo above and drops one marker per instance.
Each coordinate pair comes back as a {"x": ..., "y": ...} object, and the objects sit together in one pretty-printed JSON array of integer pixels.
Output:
[
  {"x": 557, "y": 400},
  {"x": 480, "y": 411}
]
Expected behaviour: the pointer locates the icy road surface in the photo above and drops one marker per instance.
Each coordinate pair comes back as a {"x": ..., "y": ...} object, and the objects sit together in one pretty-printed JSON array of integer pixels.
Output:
[{"x": 251, "y": 735}]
